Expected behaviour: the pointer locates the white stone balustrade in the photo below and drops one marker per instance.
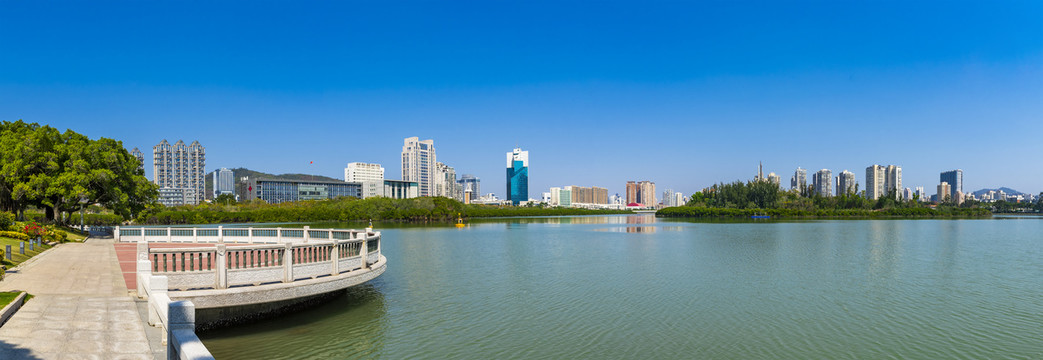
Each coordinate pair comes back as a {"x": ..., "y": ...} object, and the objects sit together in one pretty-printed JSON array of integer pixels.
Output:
[{"x": 275, "y": 255}]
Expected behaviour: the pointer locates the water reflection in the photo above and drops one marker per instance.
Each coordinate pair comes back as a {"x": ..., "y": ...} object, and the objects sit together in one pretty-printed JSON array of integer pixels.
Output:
[{"x": 318, "y": 332}]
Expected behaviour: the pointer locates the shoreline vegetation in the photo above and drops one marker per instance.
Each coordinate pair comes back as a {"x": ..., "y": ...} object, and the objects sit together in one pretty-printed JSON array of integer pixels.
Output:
[
  {"x": 424, "y": 209},
  {"x": 743, "y": 200}
]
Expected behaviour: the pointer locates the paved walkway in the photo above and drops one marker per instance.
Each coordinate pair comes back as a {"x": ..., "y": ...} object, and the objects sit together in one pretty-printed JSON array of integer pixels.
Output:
[{"x": 81, "y": 308}]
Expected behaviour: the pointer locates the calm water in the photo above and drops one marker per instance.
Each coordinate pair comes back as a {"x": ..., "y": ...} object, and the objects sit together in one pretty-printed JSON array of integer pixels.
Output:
[{"x": 626, "y": 287}]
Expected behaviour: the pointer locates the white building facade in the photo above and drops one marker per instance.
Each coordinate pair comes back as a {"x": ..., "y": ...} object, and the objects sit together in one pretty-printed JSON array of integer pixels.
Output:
[
  {"x": 179, "y": 166},
  {"x": 371, "y": 176},
  {"x": 418, "y": 164}
]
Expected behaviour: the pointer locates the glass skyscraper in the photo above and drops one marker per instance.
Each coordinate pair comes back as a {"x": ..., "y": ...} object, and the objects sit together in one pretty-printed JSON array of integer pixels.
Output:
[
  {"x": 517, "y": 176},
  {"x": 955, "y": 180}
]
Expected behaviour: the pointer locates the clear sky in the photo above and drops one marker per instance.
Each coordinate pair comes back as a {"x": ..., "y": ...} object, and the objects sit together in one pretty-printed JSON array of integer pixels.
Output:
[{"x": 685, "y": 94}]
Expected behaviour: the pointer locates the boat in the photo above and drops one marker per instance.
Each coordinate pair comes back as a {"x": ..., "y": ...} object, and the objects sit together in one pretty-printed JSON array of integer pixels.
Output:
[{"x": 760, "y": 216}]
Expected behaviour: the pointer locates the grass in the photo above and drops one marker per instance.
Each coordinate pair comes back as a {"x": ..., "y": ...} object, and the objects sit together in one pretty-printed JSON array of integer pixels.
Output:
[
  {"x": 74, "y": 235},
  {"x": 8, "y": 297},
  {"x": 17, "y": 258}
]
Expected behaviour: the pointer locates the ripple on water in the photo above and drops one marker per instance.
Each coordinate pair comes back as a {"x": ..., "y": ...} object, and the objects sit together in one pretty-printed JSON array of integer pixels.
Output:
[{"x": 829, "y": 289}]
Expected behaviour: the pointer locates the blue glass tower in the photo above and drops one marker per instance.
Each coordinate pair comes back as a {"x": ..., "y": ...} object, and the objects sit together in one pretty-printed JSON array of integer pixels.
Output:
[{"x": 517, "y": 176}]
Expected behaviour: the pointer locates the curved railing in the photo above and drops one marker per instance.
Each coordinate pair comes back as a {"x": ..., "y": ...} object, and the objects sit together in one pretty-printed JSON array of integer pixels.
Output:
[{"x": 221, "y": 258}]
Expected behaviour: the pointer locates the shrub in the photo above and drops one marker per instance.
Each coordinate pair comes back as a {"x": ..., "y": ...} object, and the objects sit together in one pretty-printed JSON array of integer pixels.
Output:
[
  {"x": 33, "y": 230},
  {"x": 14, "y": 235},
  {"x": 53, "y": 234},
  {"x": 6, "y": 220}
]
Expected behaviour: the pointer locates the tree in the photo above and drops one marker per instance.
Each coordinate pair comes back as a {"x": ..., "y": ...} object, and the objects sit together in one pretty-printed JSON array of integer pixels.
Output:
[
  {"x": 65, "y": 172},
  {"x": 225, "y": 199}
]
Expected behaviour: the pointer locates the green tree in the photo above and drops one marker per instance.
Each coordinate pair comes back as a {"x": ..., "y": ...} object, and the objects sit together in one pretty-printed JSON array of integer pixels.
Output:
[{"x": 65, "y": 172}]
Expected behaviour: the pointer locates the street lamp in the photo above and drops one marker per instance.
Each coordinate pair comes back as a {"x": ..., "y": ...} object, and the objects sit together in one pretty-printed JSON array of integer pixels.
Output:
[{"x": 83, "y": 206}]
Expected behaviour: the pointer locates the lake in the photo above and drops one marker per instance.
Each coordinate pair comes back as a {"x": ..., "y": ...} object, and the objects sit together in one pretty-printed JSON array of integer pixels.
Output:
[{"x": 634, "y": 286}]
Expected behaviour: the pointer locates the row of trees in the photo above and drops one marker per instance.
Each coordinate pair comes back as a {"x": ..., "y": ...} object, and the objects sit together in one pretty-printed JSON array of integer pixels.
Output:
[
  {"x": 761, "y": 196},
  {"x": 341, "y": 209},
  {"x": 64, "y": 172}
]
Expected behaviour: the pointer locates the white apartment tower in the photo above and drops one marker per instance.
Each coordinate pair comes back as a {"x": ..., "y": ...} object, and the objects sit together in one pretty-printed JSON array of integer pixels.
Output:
[
  {"x": 799, "y": 181},
  {"x": 223, "y": 182},
  {"x": 444, "y": 183},
  {"x": 875, "y": 175},
  {"x": 846, "y": 183},
  {"x": 893, "y": 180},
  {"x": 180, "y": 167},
  {"x": 418, "y": 163},
  {"x": 141, "y": 158},
  {"x": 823, "y": 181},
  {"x": 371, "y": 176}
]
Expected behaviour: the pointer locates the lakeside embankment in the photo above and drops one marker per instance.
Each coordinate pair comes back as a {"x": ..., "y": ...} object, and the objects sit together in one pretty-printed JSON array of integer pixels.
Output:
[{"x": 425, "y": 209}]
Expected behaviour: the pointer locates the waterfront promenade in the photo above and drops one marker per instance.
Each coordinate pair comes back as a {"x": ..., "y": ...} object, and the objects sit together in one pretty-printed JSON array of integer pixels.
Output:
[{"x": 81, "y": 308}]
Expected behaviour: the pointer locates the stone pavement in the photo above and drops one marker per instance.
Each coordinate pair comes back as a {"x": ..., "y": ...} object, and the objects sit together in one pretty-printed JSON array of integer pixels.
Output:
[{"x": 81, "y": 308}]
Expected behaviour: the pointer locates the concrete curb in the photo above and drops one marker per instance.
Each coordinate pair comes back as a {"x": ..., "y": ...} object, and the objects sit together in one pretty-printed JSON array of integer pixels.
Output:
[{"x": 9, "y": 310}]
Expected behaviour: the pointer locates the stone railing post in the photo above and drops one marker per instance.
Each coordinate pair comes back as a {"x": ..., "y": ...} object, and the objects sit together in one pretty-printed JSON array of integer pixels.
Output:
[
  {"x": 379, "y": 243},
  {"x": 220, "y": 234},
  {"x": 306, "y": 236},
  {"x": 363, "y": 252},
  {"x": 195, "y": 235},
  {"x": 157, "y": 286},
  {"x": 335, "y": 256},
  {"x": 170, "y": 236},
  {"x": 222, "y": 267},
  {"x": 250, "y": 235},
  {"x": 116, "y": 233},
  {"x": 278, "y": 235},
  {"x": 287, "y": 263},
  {"x": 143, "y": 268},
  {"x": 181, "y": 315}
]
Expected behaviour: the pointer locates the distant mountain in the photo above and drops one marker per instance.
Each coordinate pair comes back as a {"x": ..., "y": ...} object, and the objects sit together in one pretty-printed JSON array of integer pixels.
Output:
[
  {"x": 1006, "y": 190},
  {"x": 239, "y": 173}
]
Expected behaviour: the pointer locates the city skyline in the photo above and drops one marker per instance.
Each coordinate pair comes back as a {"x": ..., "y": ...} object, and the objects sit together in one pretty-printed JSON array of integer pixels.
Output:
[{"x": 727, "y": 85}]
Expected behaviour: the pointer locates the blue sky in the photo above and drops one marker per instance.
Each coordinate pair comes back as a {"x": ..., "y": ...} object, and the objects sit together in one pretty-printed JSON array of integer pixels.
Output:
[{"x": 685, "y": 94}]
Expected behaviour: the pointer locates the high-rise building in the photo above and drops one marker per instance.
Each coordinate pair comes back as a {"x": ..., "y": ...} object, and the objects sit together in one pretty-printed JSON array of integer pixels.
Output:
[
  {"x": 371, "y": 176},
  {"x": 141, "y": 158},
  {"x": 921, "y": 194},
  {"x": 600, "y": 195},
  {"x": 875, "y": 178},
  {"x": 561, "y": 197},
  {"x": 581, "y": 195},
  {"x": 944, "y": 192},
  {"x": 799, "y": 180},
  {"x": 893, "y": 181},
  {"x": 846, "y": 183},
  {"x": 180, "y": 167},
  {"x": 907, "y": 194},
  {"x": 641, "y": 192},
  {"x": 471, "y": 186},
  {"x": 632, "y": 190},
  {"x": 823, "y": 181},
  {"x": 224, "y": 183},
  {"x": 671, "y": 198},
  {"x": 444, "y": 183},
  {"x": 955, "y": 180},
  {"x": 775, "y": 179},
  {"x": 517, "y": 176},
  {"x": 646, "y": 194},
  {"x": 418, "y": 163}
]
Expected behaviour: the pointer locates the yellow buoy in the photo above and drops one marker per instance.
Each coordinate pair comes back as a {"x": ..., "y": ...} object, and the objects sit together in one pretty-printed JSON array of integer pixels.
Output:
[{"x": 459, "y": 221}]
